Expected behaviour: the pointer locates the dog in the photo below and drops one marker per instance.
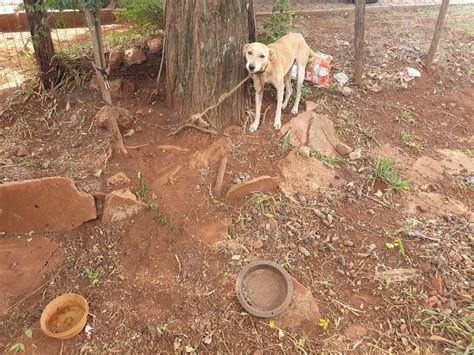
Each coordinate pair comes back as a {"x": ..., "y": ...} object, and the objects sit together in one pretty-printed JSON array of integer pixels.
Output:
[{"x": 272, "y": 64}]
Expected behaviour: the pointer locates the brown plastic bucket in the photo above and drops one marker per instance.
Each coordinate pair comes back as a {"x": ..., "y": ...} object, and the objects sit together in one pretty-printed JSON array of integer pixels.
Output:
[{"x": 65, "y": 316}]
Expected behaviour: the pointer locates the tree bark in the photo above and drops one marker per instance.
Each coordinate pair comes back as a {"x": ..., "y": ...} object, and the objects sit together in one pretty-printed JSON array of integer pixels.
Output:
[
  {"x": 42, "y": 42},
  {"x": 437, "y": 34},
  {"x": 203, "y": 46},
  {"x": 93, "y": 23},
  {"x": 359, "y": 26}
]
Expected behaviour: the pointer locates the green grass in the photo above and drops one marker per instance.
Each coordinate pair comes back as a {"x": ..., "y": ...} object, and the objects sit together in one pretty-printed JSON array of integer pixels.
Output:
[
  {"x": 265, "y": 203},
  {"x": 164, "y": 221},
  {"x": 348, "y": 123},
  {"x": 93, "y": 275},
  {"x": 404, "y": 116},
  {"x": 145, "y": 194},
  {"x": 385, "y": 171},
  {"x": 327, "y": 159},
  {"x": 286, "y": 142},
  {"x": 408, "y": 140}
]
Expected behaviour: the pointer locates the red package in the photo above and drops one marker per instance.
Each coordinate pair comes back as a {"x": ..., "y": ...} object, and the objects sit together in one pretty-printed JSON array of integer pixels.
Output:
[{"x": 318, "y": 70}]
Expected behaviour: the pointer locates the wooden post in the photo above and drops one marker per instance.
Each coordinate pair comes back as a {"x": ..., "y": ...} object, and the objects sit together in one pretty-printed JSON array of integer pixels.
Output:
[
  {"x": 93, "y": 23},
  {"x": 252, "y": 23},
  {"x": 359, "y": 27},
  {"x": 437, "y": 34}
]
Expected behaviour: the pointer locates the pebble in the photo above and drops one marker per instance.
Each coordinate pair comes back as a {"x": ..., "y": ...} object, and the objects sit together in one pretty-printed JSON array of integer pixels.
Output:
[
  {"x": 356, "y": 154},
  {"x": 346, "y": 91},
  {"x": 330, "y": 218},
  {"x": 236, "y": 257},
  {"x": 301, "y": 198},
  {"x": 371, "y": 212},
  {"x": 372, "y": 247},
  {"x": 305, "y": 151},
  {"x": 97, "y": 173},
  {"x": 341, "y": 260},
  {"x": 304, "y": 251},
  {"x": 348, "y": 243},
  {"x": 237, "y": 180},
  {"x": 258, "y": 244},
  {"x": 332, "y": 293},
  {"x": 319, "y": 214},
  {"x": 46, "y": 164},
  {"x": 453, "y": 255},
  {"x": 268, "y": 227}
]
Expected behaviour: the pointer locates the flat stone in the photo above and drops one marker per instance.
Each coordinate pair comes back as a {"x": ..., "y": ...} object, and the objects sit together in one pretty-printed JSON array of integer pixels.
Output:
[
  {"x": 121, "y": 205},
  {"x": 322, "y": 135},
  {"x": 24, "y": 264},
  {"x": 52, "y": 203},
  {"x": 343, "y": 149},
  {"x": 302, "y": 315},
  {"x": 299, "y": 126},
  {"x": 310, "y": 105},
  {"x": 134, "y": 56},
  {"x": 123, "y": 116},
  {"x": 346, "y": 91},
  {"x": 116, "y": 57},
  {"x": 260, "y": 184},
  {"x": 155, "y": 45},
  {"x": 118, "y": 180},
  {"x": 356, "y": 154}
]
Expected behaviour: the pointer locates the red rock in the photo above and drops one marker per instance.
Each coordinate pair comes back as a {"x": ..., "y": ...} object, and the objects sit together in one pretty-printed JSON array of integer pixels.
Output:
[
  {"x": 121, "y": 88},
  {"x": 155, "y": 45},
  {"x": 121, "y": 205},
  {"x": 299, "y": 128},
  {"x": 22, "y": 152},
  {"x": 119, "y": 179},
  {"x": 123, "y": 116},
  {"x": 437, "y": 283},
  {"x": 302, "y": 315},
  {"x": 322, "y": 135},
  {"x": 260, "y": 184},
  {"x": 115, "y": 58},
  {"x": 134, "y": 56},
  {"x": 343, "y": 149},
  {"x": 310, "y": 105},
  {"x": 44, "y": 204}
]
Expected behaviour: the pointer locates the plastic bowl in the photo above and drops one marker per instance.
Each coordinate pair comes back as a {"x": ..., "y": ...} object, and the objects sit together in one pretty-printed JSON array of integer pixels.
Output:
[
  {"x": 264, "y": 288},
  {"x": 65, "y": 316}
]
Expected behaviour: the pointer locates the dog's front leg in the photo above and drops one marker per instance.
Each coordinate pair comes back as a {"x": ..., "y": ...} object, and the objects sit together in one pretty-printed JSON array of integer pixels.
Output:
[
  {"x": 280, "y": 91},
  {"x": 258, "y": 104}
]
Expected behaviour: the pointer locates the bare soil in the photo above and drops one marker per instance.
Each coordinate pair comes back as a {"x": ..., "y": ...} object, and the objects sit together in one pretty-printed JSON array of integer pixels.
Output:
[{"x": 167, "y": 277}]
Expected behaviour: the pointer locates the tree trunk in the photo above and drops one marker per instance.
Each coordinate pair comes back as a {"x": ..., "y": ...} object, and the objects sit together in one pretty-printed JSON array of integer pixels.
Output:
[
  {"x": 93, "y": 23},
  {"x": 437, "y": 34},
  {"x": 359, "y": 27},
  {"x": 204, "y": 41},
  {"x": 42, "y": 42}
]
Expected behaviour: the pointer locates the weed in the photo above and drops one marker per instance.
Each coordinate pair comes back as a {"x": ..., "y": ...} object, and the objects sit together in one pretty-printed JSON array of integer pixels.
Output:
[
  {"x": 398, "y": 243},
  {"x": 165, "y": 222},
  {"x": 20, "y": 346},
  {"x": 144, "y": 16},
  {"x": 384, "y": 171},
  {"x": 280, "y": 22},
  {"x": 324, "y": 323},
  {"x": 243, "y": 218},
  {"x": 226, "y": 275},
  {"x": 265, "y": 204},
  {"x": 145, "y": 194},
  {"x": 327, "y": 159},
  {"x": 164, "y": 328},
  {"x": 388, "y": 281},
  {"x": 285, "y": 142},
  {"x": 286, "y": 262},
  {"x": 407, "y": 139},
  {"x": 348, "y": 123},
  {"x": 93, "y": 275},
  {"x": 404, "y": 116}
]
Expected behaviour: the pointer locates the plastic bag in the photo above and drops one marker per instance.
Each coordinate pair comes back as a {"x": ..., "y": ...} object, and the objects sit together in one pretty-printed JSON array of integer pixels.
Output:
[{"x": 318, "y": 70}]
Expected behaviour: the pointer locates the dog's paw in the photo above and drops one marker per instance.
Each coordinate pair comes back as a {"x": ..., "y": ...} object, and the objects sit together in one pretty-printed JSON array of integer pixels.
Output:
[
  {"x": 294, "y": 110},
  {"x": 253, "y": 127},
  {"x": 277, "y": 124}
]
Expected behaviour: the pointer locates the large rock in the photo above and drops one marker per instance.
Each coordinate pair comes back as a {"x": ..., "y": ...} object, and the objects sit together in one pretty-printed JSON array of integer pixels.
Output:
[
  {"x": 322, "y": 135},
  {"x": 299, "y": 128},
  {"x": 116, "y": 57},
  {"x": 121, "y": 205},
  {"x": 123, "y": 116},
  {"x": 302, "y": 315},
  {"x": 52, "y": 203},
  {"x": 134, "y": 56},
  {"x": 155, "y": 45},
  {"x": 260, "y": 184}
]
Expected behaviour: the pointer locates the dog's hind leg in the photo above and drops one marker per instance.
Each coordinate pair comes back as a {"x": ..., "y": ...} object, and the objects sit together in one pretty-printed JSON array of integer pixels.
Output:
[
  {"x": 299, "y": 83},
  {"x": 288, "y": 89}
]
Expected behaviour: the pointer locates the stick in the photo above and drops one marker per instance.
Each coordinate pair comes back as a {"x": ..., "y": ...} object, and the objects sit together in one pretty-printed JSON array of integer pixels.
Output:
[
  {"x": 205, "y": 130},
  {"x": 172, "y": 147},
  {"x": 437, "y": 34},
  {"x": 137, "y": 146},
  {"x": 359, "y": 25},
  {"x": 220, "y": 175}
]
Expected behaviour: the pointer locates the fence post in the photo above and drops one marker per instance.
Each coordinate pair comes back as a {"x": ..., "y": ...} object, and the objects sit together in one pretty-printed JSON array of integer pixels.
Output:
[
  {"x": 359, "y": 26},
  {"x": 437, "y": 34}
]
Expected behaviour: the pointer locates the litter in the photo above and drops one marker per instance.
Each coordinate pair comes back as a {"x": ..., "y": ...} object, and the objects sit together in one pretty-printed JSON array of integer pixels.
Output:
[
  {"x": 341, "y": 78},
  {"x": 318, "y": 70},
  {"x": 409, "y": 74},
  {"x": 425, "y": 235},
  {"x": 466, "y": 179}
]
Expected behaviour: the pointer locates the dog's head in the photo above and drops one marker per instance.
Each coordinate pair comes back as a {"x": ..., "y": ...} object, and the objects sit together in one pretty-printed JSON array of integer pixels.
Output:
[{"x": 257, "y": 55}]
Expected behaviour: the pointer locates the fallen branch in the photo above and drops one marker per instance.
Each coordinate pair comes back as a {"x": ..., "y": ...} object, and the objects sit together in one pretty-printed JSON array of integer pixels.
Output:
[
  {"x": 220, "y": 175},
  {"x": 191, "y": 125}
]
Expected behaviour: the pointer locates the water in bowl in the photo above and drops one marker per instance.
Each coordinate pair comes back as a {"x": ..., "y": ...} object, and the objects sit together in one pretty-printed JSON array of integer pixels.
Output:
[{"x": 65, "y": 318}]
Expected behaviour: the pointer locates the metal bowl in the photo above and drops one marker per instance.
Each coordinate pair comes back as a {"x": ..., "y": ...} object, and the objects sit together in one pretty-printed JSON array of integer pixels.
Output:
[{"x": 264, "y": 288}]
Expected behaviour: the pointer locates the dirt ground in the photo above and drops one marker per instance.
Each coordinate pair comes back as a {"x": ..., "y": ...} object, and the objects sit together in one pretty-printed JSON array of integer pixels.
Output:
[{"x": 391, "y": 273}]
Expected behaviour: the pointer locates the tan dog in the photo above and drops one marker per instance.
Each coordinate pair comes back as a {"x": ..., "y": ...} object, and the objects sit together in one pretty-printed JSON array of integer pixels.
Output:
[{"x": 272, "y": 64}]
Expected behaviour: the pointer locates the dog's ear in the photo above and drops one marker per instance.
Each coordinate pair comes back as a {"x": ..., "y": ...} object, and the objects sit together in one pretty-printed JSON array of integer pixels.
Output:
[
  {"x": 246, "y": 47},
  {"x": 271, "y": 55}
]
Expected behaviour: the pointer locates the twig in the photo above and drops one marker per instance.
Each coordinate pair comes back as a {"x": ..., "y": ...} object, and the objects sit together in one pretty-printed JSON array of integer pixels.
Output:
[
  {"x": 172, "y": 147},
  {"x": 444, "y": 340},
  {"x": 220, "y": 175},
  {"x": 179, "y": 264},
  {"x": 137, "y": 146},
  {"x": 353, "y": 310},
  {"x": 191, "y": 125}
]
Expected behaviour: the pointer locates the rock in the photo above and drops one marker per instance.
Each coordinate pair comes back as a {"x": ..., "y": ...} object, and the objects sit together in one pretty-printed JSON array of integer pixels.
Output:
[
  {"x": 346, "y": 91},
  {"x": 433, "y": 302},
  {"x": 322, "y": 135},
  {"x": 310, "y": 105},
  {"x": 121, "y": 205},
  {"x": 22, "y": 152},
  {"x": 319, "y": 214},
  {"x": 46, "y": 164},
  {"x": 304, "y": 151},
  {"x": 302, "y": 315},
  {"x": 258, "y": 244},
  {"x": 304, "y": 251},
  {"x": 260, "y": 184},
  {"x": 123, "y": 116},
  {"x": 356, "y": 154},
  {"x": 343, "y": 149},
  {"x": 122, "y": 88},
  {"x": 348, "y": 243},
  {"x": 299, "y": 126},
  {"x": 301, "y": 198},
  {"x": 52, "y": 203},
  {"x": 118, "y": 180},
  {"x": 437, "y": 283},
  {"x": 372, "y": 247},
  {"x": 455, "y": 256},
  {"x": 330, "y": 218},
  {"x": 155, "y": 45},
  {"x": 341, "y": 260},
  {"x": 134, "y": 56},
  {"x": 116, "y": 57}
]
